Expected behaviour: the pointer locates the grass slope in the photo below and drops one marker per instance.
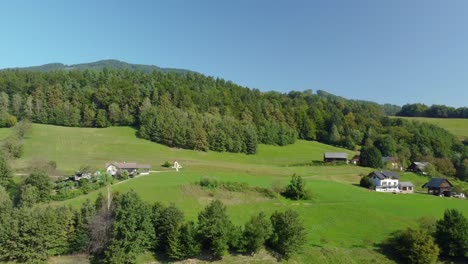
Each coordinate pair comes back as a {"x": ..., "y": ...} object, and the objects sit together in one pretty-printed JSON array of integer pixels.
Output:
[
  {"x": 456, "y": 126},
  {"x": 72, "y": 147},
  {"x": 343, "y": 220}
]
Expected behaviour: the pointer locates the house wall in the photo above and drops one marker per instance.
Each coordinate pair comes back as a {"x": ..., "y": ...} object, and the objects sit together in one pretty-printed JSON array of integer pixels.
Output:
[
  {"x": 112, "y": 170},
  {"x": 407, "y": 189},
  {"x": 335, "y": 160},
  {"x": 385, "y": 185}
]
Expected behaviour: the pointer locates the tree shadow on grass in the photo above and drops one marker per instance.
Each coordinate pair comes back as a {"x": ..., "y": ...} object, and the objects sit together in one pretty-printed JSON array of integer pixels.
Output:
[{"x": 386, "y": 248}]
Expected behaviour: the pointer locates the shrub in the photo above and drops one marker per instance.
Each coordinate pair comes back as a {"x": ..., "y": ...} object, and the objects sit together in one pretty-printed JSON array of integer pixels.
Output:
[
  {"x": 236, "y": 239},
  {"x": 131, "y": 231},
  {"x": 256, "y": 231},
  {"x": 371, "y": 157},
  {"x": 412, "y": 246},
  {"x": 266, "y": 192},
  {"x": 85, "y": 186},
  {"x": 167, "y": 228},
  {"x": 42, "y": 182},
  {"x": 166, "y": 164},
  {"x": 366, "y": 182},
  {"x": 213, "y": 228},
  {"x": 13, "y": 147},
  {"x": 296, "y": 189},
  {"x": 6, "y": 175},
  {"x": 208, "y": 182},
  {"x": 188, "y": 242},
  {"x": 452, "y": 233},
  {"x": 289, "y": 234},
  {"x": 123, "y": 175},
  {"x": 213, "y": 183}
]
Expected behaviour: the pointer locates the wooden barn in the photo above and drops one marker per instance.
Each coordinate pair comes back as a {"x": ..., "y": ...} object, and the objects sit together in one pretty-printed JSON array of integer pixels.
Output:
[
  {"x": 335, "y": 157},
  {"x": 439, "y": 186}
]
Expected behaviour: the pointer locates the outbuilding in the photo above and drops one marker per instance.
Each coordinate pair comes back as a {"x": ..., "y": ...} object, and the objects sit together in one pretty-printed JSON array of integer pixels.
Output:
[
  {"x": 439, "y": 186},
  {"x": 335, "y": 157},
  {"x": 406, "y": 187}
]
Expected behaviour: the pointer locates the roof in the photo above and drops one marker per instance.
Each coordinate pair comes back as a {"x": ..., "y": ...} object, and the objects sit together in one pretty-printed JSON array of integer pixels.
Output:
[
  {"x": 336, "y": 155},
  {"x": 421, "y": 165},
  {"x": 128, "y": 165},
  {"x": 388, "y": 159},
  {"x": 436, "y": 182},
  {"x": 406, "y": 184},
  {"x": 386, "y": 175}
]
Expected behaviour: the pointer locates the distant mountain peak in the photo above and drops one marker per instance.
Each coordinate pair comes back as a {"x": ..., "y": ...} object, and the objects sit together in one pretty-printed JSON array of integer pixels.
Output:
[{"x": 99, "y": 65}]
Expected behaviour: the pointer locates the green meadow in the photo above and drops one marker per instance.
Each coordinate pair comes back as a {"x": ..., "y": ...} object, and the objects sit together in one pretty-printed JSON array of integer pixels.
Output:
[
  {"x": 344, "y": 222},
  {"x": 456, "y": 126}
]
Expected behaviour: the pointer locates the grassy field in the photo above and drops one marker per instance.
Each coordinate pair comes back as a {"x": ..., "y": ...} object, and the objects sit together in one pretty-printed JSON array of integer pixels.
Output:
[
  {"x": 72, "y": 147},
  {"x": 456, "y": 126},
  {"x": 344, "y": 221}
]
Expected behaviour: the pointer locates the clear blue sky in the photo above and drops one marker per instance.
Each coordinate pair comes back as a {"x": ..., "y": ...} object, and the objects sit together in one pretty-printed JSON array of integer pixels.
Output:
[{"x": 385, "y": 51}]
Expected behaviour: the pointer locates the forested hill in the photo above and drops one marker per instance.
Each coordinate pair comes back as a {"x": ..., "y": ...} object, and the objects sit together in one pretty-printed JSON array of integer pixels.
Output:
[
  {"x": 194, "y": 111},
  {"x": 388, "y": 109},
  {"x": 437, "y": 111},
  {"x": 100, "y": 65}
]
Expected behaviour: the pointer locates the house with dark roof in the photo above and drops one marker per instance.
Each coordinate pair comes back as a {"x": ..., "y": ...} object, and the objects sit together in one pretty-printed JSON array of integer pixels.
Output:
[
  {"x": 385, "y": 181},
  {"x": 132, "y": 168},
  {"x": 419, "y": 167},
  {"x": 406, "y": 187},
  {"x": 439, "y": 186},
  {"x": 335, "y": 157}
]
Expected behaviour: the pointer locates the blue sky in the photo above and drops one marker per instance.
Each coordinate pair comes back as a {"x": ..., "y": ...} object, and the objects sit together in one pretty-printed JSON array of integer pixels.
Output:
[{"x": 385, "y": 51}]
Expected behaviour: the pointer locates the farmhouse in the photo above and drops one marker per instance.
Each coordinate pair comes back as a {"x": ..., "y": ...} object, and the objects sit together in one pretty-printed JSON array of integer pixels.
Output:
[
  {"x": 439, "y": 186},
  {"x": 391, "y": 162},
  {"x": 385, "y": 181},
  {"x": 406, "y": 187},
  {"x": 419, "y": 167},
  {"x": 335, "y": 157},
  {"x": 132, "y": 168}
]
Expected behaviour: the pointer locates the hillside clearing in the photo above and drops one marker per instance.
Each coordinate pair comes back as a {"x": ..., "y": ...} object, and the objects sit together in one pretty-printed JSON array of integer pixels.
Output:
[
  {"x": 343, "y": 220},
  {"x": 456, "y": 126}
]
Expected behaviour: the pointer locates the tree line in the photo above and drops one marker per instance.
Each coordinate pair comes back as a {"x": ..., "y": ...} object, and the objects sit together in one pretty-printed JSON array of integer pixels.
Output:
[
  {"x": 194, "y": 111},
  {"x": 119, "y": 229},
  {"x": 436, "y": 111}
]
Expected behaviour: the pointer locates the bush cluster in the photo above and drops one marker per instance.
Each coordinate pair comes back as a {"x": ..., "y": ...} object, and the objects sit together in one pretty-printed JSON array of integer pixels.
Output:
[
  {"x": 296, "y": 189},
  {"x": 447, "y": 237},
  {"x": 213, "y": 184}
]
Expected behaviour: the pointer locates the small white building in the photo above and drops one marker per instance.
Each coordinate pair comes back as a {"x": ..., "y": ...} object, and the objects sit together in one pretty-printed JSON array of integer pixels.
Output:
[
  {"x": 406, "y": 187},
  {"x": 385, "y": 181}
]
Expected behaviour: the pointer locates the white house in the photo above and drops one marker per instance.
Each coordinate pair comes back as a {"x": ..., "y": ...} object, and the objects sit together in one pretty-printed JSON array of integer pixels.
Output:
[
  {"x": 385, "y": 181},
  {"x": 131, "y": 167}
]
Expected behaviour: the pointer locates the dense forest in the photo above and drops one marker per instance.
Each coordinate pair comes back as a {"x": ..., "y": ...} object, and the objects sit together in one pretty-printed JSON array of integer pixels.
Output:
[
  {"x": 121, "y": 227},
  {"x": 436, "y": 111},
  {"x": 190, "y": 110}
]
